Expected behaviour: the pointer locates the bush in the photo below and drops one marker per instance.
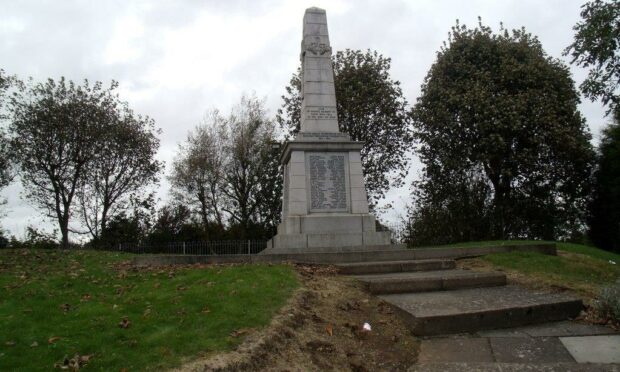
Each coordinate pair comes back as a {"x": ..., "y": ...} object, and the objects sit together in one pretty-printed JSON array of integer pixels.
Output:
[{"x": 608, "y": 303}]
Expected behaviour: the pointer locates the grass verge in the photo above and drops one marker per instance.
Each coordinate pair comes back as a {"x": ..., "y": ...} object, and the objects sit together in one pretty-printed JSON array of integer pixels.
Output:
[
  {"x": 577, "y": 267},
  {"x": 55, "y": 304}
]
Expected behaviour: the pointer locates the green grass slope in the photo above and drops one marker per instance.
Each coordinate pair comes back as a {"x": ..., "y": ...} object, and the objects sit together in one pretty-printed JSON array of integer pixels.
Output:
[{"x": 55, "y": 304}]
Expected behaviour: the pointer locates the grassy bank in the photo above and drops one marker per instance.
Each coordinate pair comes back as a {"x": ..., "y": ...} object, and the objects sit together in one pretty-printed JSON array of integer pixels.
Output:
[
  {"x": 55, "y": 304},
  {"x": 580, "y": 268}
]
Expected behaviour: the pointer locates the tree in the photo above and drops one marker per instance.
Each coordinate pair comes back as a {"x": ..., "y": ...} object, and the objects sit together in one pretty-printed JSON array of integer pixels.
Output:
[
  {"x": 198, "y": 169},
  {"x": 500, "y": 131},
  {"x": 371, "y": 108},
  {"x": 597, "y": 47},
  {"x": 251, "y": 181},
  {"x": 79, "y": 141},
  {"x": 125, "y": 164},
  {"x": 5, "y": 164},
  {"x": 228, "y": 170},
  {"x": 604, "y": 216}
]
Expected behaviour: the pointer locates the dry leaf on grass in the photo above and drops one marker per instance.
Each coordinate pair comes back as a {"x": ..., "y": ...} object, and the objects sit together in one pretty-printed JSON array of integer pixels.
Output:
[
  {"x": 125, "y": 323},
  {"x": 330, "y": 329},
  {"x": 239, "y": 332},
  {"x": 73, "y": 364},
  {"x": 51, "y": 340}
]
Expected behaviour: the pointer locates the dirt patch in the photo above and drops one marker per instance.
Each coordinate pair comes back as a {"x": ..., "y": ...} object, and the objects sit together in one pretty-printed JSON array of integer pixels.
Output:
[{"x": 321, "y": 328}]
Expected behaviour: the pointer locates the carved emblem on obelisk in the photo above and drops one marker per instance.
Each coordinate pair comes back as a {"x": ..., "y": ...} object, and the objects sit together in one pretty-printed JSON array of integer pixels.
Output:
[{"x": 319, "y": 48}]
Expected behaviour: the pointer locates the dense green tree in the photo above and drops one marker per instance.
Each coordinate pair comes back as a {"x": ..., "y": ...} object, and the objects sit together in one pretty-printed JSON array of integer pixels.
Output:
[
  {"x": 604, "y": 218},
  {"x": 371, "y": 108},
  {"x": 597, "y": 47},
  {"x": 500, "y": 132},
  {"x": 131, "y": 225},
  {"x": 171, "y": 224}
]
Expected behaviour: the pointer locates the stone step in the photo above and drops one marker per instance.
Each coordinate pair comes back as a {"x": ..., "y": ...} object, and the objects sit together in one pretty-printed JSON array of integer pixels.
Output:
[
  {"x": 378, "y": 267},
  {"x": 475, "y": 309},
  {"x": 430, "y": 281}
]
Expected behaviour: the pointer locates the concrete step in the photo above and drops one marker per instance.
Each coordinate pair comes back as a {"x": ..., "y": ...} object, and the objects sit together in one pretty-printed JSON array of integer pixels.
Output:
[
  {"x": 430, "y": 281},
  {"x": 378, "y": 267},
  {"x": 475, "y": 309}
]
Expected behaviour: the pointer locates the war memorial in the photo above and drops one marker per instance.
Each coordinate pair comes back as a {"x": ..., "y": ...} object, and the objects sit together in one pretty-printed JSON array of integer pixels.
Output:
[
  {"x": 467, "y": 319},
  {"x": 324, "y": 206}
]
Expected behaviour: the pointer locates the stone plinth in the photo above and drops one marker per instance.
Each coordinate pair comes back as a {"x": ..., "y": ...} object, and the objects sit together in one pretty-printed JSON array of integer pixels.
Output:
[{"x": 324, "y": 206}]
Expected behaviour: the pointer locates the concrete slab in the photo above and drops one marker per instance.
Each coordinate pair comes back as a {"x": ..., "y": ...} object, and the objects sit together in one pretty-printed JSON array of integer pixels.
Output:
[
  {"x": 430, "y": 281},
  {"x": 594, "y": 349},
  {"x": 553, "y": 329},
  {"x": 378, "y": 267},
  {"x": 469, "y": 310},
  {"x": 529, "y": 350},
  {"x": 455, "y": 350}
]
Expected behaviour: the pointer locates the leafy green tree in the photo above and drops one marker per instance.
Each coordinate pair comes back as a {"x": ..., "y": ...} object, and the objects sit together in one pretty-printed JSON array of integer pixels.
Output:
[
  {"x": 54, "y": 127},
  {"x": 604, "y": 218},
  {"x": 79, "y": 143},
  {"x": 597, "y": 47},
  {"x": 371, "y": 108},
  {"x": 125, "y": 165},
  {"x": 131, "y": 225},
  {"x": 500, "y": 131}
]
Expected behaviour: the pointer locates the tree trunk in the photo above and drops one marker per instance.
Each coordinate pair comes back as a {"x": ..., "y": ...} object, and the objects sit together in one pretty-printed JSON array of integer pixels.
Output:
[{"x": 64, "y": 230}]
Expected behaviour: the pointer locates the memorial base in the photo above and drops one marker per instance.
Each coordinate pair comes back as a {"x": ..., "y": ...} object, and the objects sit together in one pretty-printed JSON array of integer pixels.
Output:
[{"x": 325, "y": 207}]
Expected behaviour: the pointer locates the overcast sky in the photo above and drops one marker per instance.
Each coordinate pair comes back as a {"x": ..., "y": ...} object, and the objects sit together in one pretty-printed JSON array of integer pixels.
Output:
[{"x": 177, "y": 59}]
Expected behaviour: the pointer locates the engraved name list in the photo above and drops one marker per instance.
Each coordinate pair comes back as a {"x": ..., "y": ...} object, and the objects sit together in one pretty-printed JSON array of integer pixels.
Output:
[{"x": 328, "y": 190}]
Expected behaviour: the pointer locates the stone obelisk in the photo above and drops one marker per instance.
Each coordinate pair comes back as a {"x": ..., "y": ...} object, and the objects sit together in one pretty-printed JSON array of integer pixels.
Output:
[{"x": 324, "y": 207}]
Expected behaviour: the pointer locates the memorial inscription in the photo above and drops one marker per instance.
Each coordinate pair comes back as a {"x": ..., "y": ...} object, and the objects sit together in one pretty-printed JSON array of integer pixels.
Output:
[
  {"x": 321, "y": 113},
  {"x": 328, "y": 189}
]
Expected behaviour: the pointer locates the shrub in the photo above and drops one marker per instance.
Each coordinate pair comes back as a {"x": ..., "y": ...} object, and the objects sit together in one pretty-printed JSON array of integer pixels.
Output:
[{"x": 608, "y": 303}]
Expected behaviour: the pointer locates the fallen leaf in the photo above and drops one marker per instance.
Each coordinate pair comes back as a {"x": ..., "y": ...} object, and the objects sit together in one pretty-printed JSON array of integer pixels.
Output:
[
  {"x": 34, "y": 344},
  {"x": 330, "y": 329},
  {"x": 51, "y": 340},
  {"x": 85, "y": 358},
  {"x": 206, "y": 310},
  {"x": 239, "y": 332},
  {"x": 125, "y": 323}
]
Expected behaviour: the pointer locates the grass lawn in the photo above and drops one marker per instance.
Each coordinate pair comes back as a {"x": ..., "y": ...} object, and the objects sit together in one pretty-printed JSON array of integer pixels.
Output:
[
  {"x": 55, "y": 304},
  {"x": 577, "y": 267}
]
